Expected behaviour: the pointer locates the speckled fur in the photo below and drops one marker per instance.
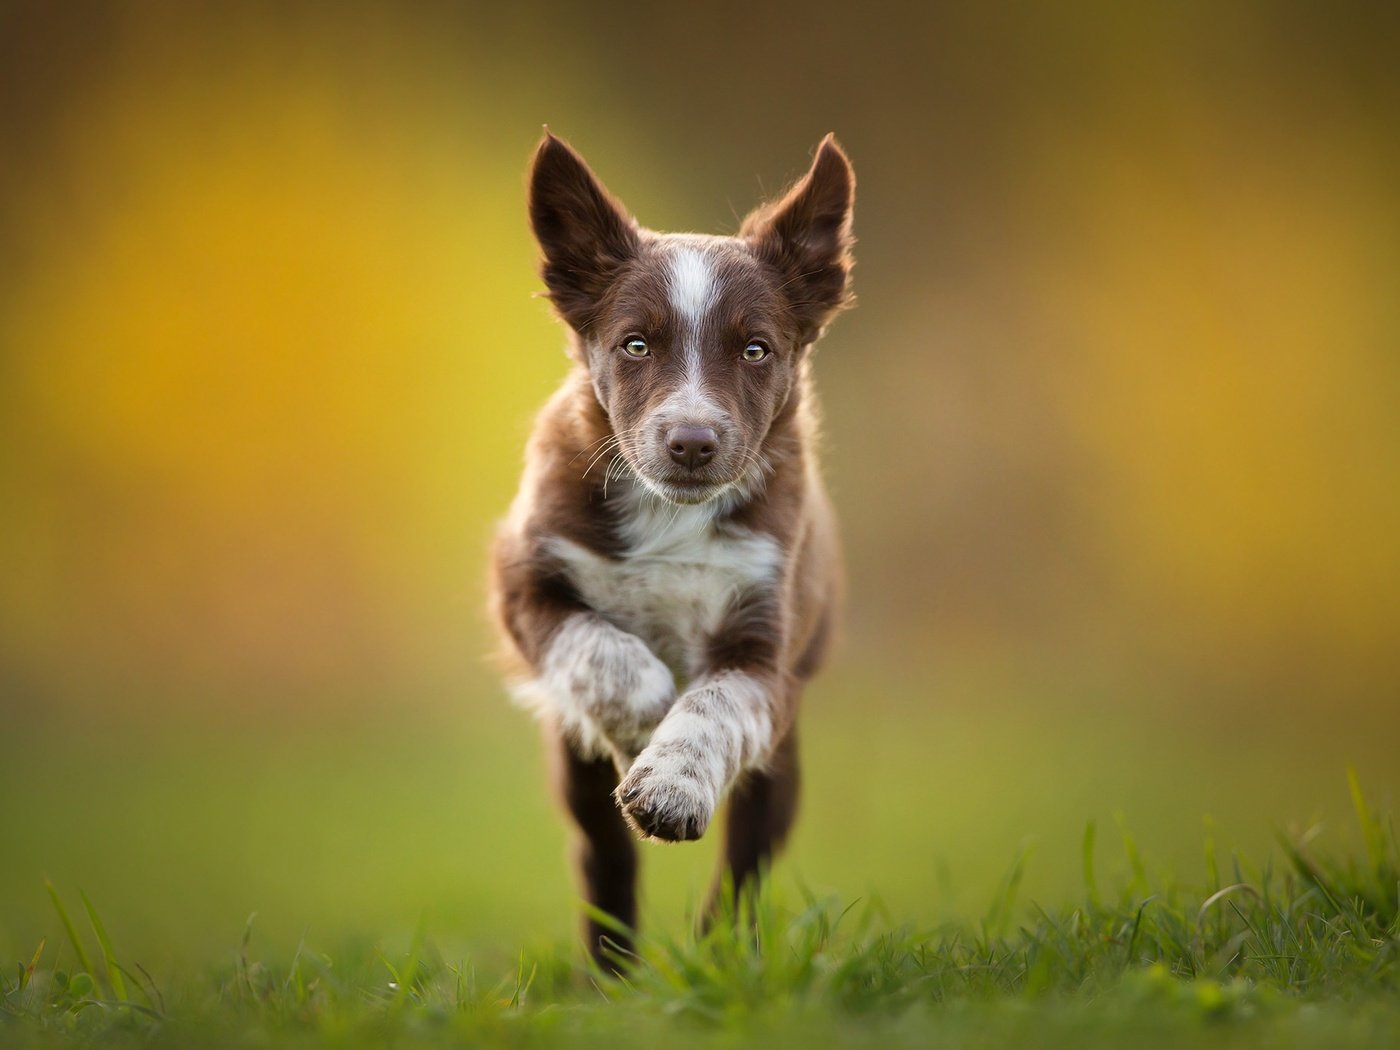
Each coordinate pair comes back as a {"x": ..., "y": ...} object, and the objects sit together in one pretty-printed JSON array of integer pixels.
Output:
[{"x": 663, "y": 612}]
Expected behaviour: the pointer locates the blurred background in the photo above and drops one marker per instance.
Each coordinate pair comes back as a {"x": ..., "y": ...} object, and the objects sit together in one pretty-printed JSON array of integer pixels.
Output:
[{"x": 1114, "y": 436}]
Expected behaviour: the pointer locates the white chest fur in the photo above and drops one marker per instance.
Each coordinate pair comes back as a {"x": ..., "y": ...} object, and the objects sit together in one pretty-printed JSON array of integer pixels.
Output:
[{"x": 676, "y": 579}]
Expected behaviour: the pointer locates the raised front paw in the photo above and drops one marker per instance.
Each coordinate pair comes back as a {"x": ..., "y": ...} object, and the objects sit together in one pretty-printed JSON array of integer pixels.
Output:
[
  {"x": 667, "y": 796},
  {"x": 607, "y": 682}
]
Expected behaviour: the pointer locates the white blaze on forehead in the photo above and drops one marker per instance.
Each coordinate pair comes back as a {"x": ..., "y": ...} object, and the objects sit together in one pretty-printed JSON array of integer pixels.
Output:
[{"x": 692, "y": 282}]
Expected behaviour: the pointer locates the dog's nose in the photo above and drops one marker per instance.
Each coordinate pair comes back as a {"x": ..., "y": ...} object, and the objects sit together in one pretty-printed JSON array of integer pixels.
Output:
[{"x": 692, "y": 447}]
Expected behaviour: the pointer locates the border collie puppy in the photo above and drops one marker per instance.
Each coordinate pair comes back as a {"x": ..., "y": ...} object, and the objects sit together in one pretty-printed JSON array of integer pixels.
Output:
[{"x": 668, "y": 574}]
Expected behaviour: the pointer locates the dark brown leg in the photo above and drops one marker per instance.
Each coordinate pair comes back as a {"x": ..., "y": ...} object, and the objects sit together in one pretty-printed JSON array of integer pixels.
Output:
[
  {"x": 762, "y": 808},
  {"x": 605, "y": 855}
]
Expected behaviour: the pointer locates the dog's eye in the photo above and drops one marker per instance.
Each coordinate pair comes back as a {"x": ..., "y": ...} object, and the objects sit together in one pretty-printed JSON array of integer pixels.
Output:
[
  {"x": 757, "y": 350},
  {"x": 635, "y": 347}
]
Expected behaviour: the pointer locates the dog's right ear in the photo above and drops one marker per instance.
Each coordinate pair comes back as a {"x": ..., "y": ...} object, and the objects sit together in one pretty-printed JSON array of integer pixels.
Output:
[{"x": 586, "y": 234}]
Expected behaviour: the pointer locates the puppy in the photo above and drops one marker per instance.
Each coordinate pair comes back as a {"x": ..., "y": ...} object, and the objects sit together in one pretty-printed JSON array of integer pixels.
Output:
[{"x": 668, "y": 574}]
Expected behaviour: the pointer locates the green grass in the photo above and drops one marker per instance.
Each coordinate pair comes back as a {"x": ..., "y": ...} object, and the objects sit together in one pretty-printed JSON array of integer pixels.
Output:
[
  {"x": 336, "y": 821},
  {"x": 1299, "y": 950},
  {"x": 407, "y": 870}
]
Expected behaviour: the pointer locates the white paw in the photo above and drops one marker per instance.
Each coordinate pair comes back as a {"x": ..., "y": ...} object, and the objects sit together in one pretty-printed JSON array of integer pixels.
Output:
[
  {"x": 667, "y": 794},
  {"x": 604, "y": 681}
]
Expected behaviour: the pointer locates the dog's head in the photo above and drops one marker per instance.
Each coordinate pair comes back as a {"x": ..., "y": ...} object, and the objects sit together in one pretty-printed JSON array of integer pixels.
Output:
[{"x": 693, "y": 342}]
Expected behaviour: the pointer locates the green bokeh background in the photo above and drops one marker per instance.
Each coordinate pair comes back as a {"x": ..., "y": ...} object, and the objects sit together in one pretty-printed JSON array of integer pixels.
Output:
[{"x": 1112, "y": 434}]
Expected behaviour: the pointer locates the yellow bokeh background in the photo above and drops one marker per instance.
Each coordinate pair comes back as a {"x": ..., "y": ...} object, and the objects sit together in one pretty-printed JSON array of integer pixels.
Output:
[{"x": 1114, "y": 429}]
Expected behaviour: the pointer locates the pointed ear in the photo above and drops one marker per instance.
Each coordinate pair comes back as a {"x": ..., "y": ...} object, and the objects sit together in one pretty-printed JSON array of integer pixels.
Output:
[
  {"x": 806, "y": 236},
  {"x": 586, "y": 234}
]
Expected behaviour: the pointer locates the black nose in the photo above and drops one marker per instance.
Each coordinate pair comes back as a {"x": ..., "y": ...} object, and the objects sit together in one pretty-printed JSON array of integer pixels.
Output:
[{"x": 692, "y": 447}]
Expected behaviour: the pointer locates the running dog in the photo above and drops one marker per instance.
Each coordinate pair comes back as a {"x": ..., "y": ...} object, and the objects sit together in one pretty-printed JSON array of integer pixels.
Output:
[{"x": 668, "y": 575}]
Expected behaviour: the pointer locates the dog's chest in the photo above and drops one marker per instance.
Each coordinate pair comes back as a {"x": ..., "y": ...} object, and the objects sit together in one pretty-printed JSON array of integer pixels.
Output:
[{"x": 676, "y": 582}]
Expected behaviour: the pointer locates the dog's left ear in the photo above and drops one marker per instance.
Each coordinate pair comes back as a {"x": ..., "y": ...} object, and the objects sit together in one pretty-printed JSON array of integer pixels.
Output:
[
  {"x": 586, "y": 234},
  {"x": 806, "y": 236}
]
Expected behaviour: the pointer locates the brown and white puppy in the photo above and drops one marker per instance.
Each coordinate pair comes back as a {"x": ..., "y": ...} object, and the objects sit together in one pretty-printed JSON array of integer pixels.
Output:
[{"x": 669, "y": 571}]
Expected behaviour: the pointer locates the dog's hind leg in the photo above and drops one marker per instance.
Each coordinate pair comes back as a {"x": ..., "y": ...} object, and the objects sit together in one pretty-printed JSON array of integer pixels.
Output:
[
  {"x": 762, "y": 808},
  {"x": 605, "y": 855}
]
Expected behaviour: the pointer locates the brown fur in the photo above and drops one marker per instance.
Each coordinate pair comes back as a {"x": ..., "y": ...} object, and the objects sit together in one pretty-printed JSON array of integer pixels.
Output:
[{"x": 599, "y": 453}]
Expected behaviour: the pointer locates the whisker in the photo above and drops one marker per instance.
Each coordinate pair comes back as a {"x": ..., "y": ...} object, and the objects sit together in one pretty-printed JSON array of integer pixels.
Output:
[
  {"x": 586, "y": 447},
  {"x": 610, "y": 446},
  {"x": 619, "y": 461},
  {"x": 611, "y": 441},
  {"x": 750, "y": 457},
  {"x": 675, "y": 516},
  {"x": 608, "y": 472}
]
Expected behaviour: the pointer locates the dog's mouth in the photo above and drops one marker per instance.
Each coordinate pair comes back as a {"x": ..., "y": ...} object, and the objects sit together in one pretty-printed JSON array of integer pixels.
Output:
[
  {"x": 687, "y": 491},
  {"x": 679, "y": 485}
]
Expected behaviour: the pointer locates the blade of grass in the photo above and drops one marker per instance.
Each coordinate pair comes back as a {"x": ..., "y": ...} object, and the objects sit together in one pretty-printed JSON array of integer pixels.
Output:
[
  {"x": 69, "y": 928},
  {"x": 120, "y": 1004},
  {"x": 1091, "y": 886},
  {"x": 114, "y": 972},
  {"x": 149, "y": 994},
  {"x": 522, "y": 983},
  {"x": 244, "y": 967},
  {"x": 1004, "y": 905},
  {"x": 159, "y": 1001},
  {"x": 410, "y": 970},
  {"x": 1137, "y": 928},
  {"x": 1139, "y": 870},
  {"x": 1379, "y": 845},
  {"x": 27, "y": 974}
]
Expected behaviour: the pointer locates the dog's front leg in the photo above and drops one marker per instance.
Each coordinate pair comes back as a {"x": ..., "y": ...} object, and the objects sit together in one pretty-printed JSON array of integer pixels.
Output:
[
  {"x": 602, "y": 686},
  {"x": 724, "y": 724},
  {"x": 608, "y": 688}
]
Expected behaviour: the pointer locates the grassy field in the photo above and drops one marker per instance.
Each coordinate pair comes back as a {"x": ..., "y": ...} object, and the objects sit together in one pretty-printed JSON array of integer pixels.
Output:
[
  {"x": 1304, "y": 954},
  {"x": 986, "y": 873}
]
